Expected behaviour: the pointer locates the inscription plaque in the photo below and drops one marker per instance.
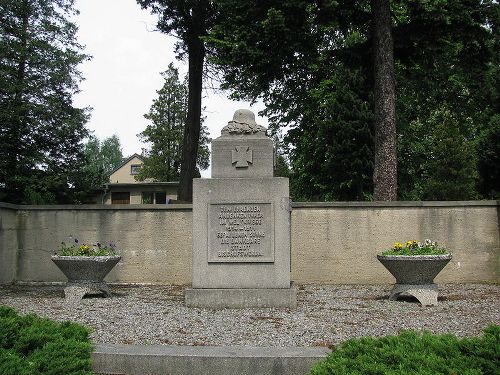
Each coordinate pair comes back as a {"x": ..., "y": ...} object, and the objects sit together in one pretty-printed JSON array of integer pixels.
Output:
[{"x": 240, "y": 232}]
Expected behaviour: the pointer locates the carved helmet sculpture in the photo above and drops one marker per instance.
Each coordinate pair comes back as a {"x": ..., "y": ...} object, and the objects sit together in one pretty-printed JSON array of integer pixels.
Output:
[{"x": 243, "y": 123}]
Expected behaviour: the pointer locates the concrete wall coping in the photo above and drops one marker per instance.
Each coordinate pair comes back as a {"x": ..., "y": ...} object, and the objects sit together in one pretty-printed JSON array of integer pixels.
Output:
[
  {"x": 9, "y": 206},
  {"x": 396, "y": 204},
  {"x": 99, "y": 207},
  {"x": 295, "y": 205}
]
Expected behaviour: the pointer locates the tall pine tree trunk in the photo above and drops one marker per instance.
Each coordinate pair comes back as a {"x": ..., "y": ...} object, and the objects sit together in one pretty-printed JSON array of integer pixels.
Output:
[
  {"x": 196, "y": 51},
  {"x": 385, "y": 170}
]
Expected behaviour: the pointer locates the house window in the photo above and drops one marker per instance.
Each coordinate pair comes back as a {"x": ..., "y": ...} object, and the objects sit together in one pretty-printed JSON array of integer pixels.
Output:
[
  {"x": 120, "y": 197},
  {"x": 135, "y": 169},
  {"x": 161, "y": 197},
  {"x": 148, "y": 197}
]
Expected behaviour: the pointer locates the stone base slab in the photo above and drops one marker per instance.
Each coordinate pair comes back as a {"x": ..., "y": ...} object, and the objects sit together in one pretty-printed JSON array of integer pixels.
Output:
[
  {"x": 204, "y": 360},
  {"x": 426, "y": 294},
  {"x": 241, "y": 298}
]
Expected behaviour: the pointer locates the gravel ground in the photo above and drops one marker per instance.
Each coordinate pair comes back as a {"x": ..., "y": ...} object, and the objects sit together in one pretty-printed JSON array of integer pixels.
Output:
[{"x": 326, "y": 315}]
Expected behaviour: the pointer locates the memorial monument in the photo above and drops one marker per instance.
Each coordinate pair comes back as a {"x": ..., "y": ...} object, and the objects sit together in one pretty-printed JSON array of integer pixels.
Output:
[{"x": 241, "y": 224}]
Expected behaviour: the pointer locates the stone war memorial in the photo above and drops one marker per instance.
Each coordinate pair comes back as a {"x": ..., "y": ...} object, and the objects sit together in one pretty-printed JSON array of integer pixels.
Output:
[{"x": 241, "y": 224}]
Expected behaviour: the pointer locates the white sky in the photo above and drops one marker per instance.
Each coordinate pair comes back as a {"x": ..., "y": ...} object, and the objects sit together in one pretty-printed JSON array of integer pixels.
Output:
[{"x": 122, "y": 77}]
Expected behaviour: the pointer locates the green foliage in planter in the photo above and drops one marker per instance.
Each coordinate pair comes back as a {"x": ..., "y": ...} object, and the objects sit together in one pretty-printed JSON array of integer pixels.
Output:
[
  {"x": 413, "y": 247},
  {"x": 30, "y": 345},
  {"x": 75, "y": 248},
  {"x": 416, "y": 353}
]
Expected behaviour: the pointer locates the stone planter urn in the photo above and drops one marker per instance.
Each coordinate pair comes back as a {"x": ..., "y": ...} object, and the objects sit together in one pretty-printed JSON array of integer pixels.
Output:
[
  {"x": 415, "y": 275},
  {"x": 85, "y": 274}
]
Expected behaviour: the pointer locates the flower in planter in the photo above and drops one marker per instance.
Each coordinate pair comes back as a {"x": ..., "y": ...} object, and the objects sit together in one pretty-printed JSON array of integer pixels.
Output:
[
  {"x": 398, "y": 246},
  {"x": 414, "y": 247},
  {"x": 75, "y": 248}
]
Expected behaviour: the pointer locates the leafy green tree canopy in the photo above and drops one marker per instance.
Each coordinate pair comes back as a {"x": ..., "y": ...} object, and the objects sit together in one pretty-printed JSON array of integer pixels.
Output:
[{"x": 101, "y": 158}]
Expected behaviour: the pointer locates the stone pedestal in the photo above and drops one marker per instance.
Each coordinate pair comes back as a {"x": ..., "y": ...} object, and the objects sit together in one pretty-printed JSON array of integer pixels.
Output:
[
  {"x": 76, "y": 291},
  {"x": 241, "y": 224},
  {"x": 415, "y": 275},
  {"x": 426, "y": 294},
  {"x": 85, "y": 274}
]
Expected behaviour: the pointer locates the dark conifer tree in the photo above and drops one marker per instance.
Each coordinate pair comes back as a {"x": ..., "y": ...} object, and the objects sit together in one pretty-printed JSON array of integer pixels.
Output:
[
  {"x": 41, "y": 131},
  {"x": 190, "y": 20},
  {"x": 165, "y": 132}
]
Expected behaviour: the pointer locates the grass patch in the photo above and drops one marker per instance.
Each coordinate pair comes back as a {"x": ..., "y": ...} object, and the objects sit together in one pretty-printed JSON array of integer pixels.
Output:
[
  {"x": 417, "y": 354},
  {"x": 30, "y": 345}
]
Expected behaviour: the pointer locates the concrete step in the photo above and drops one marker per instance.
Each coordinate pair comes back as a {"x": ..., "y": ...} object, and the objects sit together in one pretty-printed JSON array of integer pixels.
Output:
[{"x": 206, "y": 360}]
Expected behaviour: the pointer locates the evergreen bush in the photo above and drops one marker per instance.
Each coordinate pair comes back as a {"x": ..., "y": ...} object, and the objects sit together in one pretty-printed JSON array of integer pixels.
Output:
[
  {"x": 30, "y": 345},
  {"x": 416, "y": 353}
]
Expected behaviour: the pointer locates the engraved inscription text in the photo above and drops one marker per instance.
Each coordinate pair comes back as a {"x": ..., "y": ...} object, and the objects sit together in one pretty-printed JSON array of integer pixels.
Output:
[{"x": 240, "y": 233}]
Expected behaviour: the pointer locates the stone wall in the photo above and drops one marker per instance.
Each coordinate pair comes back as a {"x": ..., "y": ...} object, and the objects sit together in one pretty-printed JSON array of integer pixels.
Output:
[
  {"x": 155, "y": 243},
  {"x": 338, "y": 242},
  {"x": 8, "y": 242},
  {"x": 331, "y": 242}
]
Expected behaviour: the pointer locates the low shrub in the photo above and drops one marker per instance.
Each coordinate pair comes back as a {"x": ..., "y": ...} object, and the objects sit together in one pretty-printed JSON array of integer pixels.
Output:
[
  {"x": 30, "y": 345},
  {"x": 417, "y": 354}
]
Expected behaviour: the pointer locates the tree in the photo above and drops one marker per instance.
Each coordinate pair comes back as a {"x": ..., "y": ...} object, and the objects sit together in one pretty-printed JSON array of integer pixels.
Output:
[
  {"x": 488, "y": 149},
  {"x": 449, "y": 171},
  {"x": 190, "y": 21},
  {"x": 319, "y": 80},
  {"x": 165, "y": 132},
  {"x": 41, "y": 132},
  {"x": 332, "y": 153},
  {"x": 281, "y": 169},
  {"x": 101, "y": 158},
  {"x": 385, "y": 165},
  {"x": 310, "y": 41},
  {"x": 445, "y": 60},
  {"x": 111, "y": 154}
]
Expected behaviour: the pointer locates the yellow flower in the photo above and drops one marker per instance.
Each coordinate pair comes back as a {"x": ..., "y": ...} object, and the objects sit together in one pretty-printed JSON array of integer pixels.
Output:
[
  {"x": 84, "y": 249},
  {"x": 398, "y": 246}
]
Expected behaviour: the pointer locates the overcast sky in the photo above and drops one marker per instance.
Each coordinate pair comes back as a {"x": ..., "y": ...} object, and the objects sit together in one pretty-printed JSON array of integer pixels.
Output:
[{"x": 123, "y": 75}]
